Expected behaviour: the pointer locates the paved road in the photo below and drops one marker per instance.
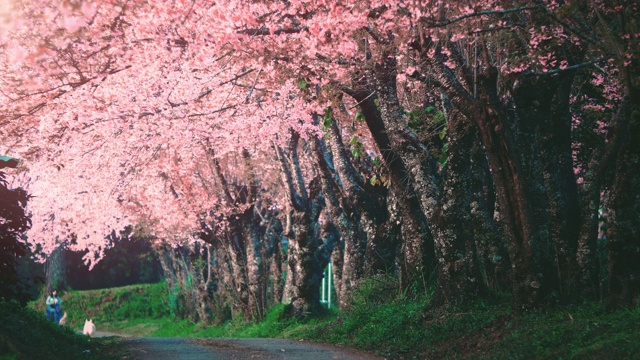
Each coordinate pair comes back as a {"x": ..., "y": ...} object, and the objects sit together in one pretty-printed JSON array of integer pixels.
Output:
[{"x": 236, "y": 349}]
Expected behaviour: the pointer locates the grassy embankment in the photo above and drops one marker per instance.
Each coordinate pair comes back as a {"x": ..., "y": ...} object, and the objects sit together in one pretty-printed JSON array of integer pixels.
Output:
[
  {"x": 26, "y": 334},
  {"x": 381, "y": 320}
]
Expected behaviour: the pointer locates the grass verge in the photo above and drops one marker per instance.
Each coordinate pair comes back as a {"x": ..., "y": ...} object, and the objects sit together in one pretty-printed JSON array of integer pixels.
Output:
[
  {"x": 27, "y": 334},
  {"x": 113, "y": 309},
  {"x": 383, "y": 321}
]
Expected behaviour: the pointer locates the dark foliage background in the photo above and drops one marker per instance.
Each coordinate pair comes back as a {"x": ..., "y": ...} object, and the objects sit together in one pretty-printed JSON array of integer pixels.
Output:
[
  {"x": 128, "y": 261},
  {"x": 13, "y": 223}
]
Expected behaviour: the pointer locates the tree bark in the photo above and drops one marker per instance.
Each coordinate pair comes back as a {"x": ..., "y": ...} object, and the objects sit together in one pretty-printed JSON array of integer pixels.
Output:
[
  {"x": 586, "y": 255},
  {"x": 370, "y": 201},
  {"x": 307, "y": 253},
  {"x": 189, "y": 274},
  {"x": 419, "y": 254},
  {"x": 407, "y": 208},
  {"x": 493, "y": 256},
  {"x": 511, "y": 134},
  {"x": 256, "y": 278},
  {"x": 458, "y": 275},
  {"x": 623, "y": 232},
  {"x": 562, "y": 188},
  {"x": 274, "y": 254},
  {"x": 304, "y": 269},
  {"x": 56, "y": 270},
  {"x": 348, "y": 225}
]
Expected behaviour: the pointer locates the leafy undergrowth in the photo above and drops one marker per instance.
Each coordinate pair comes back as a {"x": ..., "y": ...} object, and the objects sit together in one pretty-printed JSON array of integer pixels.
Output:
[
  {"x": 27, "y": 334},
  {"x": 385, "y": 322},
  {"x": 382, "y": 320},
  {"x": 115, "y": 308},
  {"x": 402, "y": 328}
]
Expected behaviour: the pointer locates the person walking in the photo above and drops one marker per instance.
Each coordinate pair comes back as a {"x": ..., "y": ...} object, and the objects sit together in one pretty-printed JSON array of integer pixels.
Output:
[{"x": 54, "y": 303}]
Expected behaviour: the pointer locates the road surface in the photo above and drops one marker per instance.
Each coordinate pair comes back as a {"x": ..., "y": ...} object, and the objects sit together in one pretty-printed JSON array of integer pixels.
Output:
[{"x": 236, "y": 349}]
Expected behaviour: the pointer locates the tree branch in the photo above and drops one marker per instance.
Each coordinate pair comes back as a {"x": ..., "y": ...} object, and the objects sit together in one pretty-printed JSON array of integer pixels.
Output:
[
  {"x": 475, "y": 14},
  {"x": 236, "y": 77},
  {"x": 568, "y": 68},
  {"x": 287, "y": 180}
]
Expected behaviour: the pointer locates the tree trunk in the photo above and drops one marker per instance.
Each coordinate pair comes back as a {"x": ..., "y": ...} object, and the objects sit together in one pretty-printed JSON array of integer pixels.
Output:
[
  {"x": 304, "y": 269},
  {"x": 237, "y": 265},
  {"x": 493, "y": 256},
  {"x": 224, "y": 288},
  {"x": 337, "y": 259},
  {"x": 420, "y": 177},
  {"x": 274, "y": 254},
  {"x": 561, "y": 187},
  {"x": 586, "y": 256},
  {"x": 56, "y": 270},
  {"x": 189, "y": 279},
  {"x": 518, "y": 161},
  {"x": 257, "y": 285},
  {"x": 458, "y": 275},
  {"x": 307, "y": 254},
  {"x": 375, "y": 248},
  {"x": 348, "y": 225},
  {"x": 205, "y": 286},
  {"x": 514, "y": 211},
  {"x": 512, "y": 116},
  {"x": 623, "y": 232},
  {"x": 410, "y": 218}
]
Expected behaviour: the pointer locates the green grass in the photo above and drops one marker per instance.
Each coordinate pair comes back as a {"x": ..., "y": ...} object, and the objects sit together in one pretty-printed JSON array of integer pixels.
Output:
[
  {"x": 274, "y": 324},
  {"x": 27, "y": 334},
  {"x": 576, "y": 332},
  {"x": 384, "y": 321},
  {"x": 114, "y": 308}
]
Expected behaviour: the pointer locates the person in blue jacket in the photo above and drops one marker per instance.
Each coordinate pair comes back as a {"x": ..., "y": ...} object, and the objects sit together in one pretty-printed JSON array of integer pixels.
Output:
[{"x": 54, "y": 312}]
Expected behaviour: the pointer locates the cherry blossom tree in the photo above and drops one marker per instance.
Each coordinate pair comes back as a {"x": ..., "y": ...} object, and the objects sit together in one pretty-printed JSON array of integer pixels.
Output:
[{"x": 116, "y": 106}]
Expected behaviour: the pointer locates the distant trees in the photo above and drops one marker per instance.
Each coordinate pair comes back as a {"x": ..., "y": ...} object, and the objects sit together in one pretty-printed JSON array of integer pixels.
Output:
[{"x": 127, "y": 261}]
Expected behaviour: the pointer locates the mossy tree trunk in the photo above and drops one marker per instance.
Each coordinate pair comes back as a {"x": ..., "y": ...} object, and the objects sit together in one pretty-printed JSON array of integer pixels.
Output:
[
  {"x": 459, "y": 278},
  {"x": 56, "y": 270},
  {"x": 308, "y": 253},
  {"x": 623, "y": 222}
]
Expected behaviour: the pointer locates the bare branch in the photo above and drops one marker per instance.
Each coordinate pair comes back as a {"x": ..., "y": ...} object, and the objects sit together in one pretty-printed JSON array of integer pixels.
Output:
[
  {"x": 373, "y": 93},
  {"x": 237, "y": 77},
  {"x": 290, "y": 30},
  {"x": 375, "y": 35},
  {"x": 253, "y": 87},
  {"x": 569, "y": 26},
  {"x": 214, "y": 111},
  {"x": 568, "y": 68},
  {"x": 476, "y": 14}
]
